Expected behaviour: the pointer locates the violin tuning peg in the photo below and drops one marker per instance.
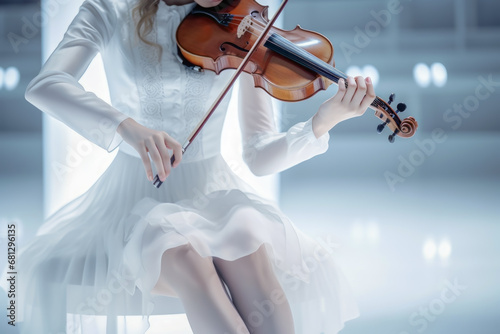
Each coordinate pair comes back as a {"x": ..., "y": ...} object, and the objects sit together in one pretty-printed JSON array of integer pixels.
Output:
[
  {"x": 392, "y": 137},
  {"x": 391, "y": 98},
  {"x": 401, "y": 107},
  {"x": 380, "y": 127}
]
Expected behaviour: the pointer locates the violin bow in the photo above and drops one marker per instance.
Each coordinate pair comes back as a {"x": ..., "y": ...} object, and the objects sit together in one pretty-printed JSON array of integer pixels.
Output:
[{"x": 156, "y": 182}]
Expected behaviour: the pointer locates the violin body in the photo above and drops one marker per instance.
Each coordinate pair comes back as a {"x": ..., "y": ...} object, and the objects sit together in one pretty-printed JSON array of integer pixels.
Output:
[
  {"x": 290, "y": 65},
  {"x": 217, "y": 47}
]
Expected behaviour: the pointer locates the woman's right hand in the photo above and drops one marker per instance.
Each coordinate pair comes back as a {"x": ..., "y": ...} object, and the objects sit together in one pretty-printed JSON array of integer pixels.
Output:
[{"x": 157, "y": 143}]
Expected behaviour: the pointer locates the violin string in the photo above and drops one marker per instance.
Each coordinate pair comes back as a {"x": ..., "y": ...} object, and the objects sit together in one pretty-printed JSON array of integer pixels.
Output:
[
  {"x": 376, "y": 102},
  {"x": 253, "y": 21},
  {"x": 253, "y": 33},
  {"x": 262, "y": 24},
  {"x": 305, "y": 54},
  {"x": 308, "y": 58}
]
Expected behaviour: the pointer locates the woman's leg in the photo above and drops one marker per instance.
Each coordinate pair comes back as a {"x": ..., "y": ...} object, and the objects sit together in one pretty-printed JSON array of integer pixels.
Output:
[
  {"x": 197, "y": 284},
  {"x": 257, "y": 294}
]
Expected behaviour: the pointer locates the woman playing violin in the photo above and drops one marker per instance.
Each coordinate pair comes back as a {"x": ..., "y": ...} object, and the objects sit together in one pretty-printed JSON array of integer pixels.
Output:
[{"x": 204, "y": 243}]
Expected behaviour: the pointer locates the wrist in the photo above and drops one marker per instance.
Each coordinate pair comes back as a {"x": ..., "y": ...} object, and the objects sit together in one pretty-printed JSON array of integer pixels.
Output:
[
  {"x": 320, "y": 124},
  {"x": 123, "y": 125}
]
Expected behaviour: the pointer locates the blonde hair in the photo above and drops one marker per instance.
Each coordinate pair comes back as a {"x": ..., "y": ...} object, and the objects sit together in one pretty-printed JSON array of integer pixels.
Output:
[{"x": 146, "y": 10}]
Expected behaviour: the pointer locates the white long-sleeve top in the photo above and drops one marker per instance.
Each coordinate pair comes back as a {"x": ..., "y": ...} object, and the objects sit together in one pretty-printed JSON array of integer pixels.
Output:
[{"x": 159, "y": 93}]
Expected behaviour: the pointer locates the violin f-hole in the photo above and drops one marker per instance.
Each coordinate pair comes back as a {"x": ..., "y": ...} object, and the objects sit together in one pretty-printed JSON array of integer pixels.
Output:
[{"x": 222, "y": 48}]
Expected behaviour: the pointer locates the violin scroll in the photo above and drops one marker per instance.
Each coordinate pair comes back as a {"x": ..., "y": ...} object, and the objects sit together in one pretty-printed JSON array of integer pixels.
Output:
[
  {"x": 408, "y": 127},
  {"x": 404, "y": 128}
]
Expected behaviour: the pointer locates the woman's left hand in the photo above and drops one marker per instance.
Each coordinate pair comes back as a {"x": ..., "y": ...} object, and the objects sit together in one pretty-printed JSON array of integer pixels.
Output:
[{"x": 346, "y": 103}]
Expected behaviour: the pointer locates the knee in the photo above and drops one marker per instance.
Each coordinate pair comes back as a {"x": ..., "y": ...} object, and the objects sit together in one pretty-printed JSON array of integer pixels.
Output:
[
  {"x": 256, "y": 266},
  {"x": 183, "y": 266}
]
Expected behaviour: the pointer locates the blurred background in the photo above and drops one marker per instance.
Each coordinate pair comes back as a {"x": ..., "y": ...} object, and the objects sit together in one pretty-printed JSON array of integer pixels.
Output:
[{"x": 417, "y": 222}]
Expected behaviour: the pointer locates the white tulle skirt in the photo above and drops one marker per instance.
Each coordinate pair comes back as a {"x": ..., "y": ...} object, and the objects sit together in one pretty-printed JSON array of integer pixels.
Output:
[{"x": 100, "y": 254}]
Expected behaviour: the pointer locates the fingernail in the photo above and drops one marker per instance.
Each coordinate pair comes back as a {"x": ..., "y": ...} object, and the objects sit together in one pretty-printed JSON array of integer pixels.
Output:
[
  {"x": 368, "y": 80},
  {"x": 150, "y": 178}
]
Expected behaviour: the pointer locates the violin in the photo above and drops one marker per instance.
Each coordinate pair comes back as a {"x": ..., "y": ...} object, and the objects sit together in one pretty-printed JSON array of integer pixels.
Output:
[{"x": 290, "y": 65}]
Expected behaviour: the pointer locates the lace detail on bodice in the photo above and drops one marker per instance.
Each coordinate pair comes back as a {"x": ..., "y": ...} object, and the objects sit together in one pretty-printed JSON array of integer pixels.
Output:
[
  {"x": 150, "y": 83},
  {"x": 194, "y": 104}
]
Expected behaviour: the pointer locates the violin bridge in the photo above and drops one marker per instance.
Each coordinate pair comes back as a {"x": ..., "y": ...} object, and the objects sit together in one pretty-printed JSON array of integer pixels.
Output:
[{"x": 244, "y": 25}]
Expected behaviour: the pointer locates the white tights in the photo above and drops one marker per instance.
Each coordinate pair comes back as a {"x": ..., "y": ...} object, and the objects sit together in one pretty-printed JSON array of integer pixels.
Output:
[{"x": 256, "y": 303}]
